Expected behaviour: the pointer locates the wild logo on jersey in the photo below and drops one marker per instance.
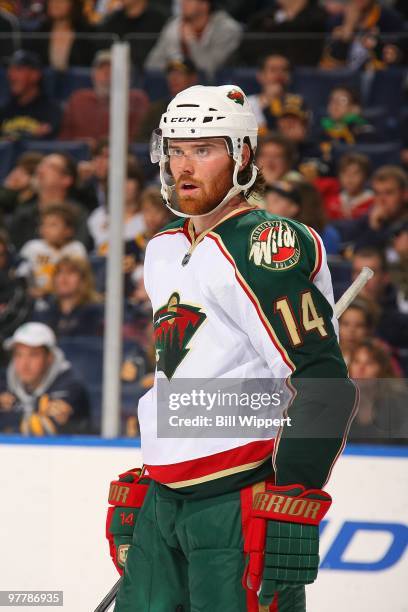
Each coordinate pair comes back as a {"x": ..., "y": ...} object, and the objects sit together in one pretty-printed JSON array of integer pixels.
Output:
[
  {"x": 174, "y": 326},
  {"x": 274, "y": 245}
]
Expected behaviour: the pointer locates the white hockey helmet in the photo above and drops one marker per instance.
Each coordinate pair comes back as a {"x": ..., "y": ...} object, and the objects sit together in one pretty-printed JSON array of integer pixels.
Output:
[{"x": 206, "y": 112}]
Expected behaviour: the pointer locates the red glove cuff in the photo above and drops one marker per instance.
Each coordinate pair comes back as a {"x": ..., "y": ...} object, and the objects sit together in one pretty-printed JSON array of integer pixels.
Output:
[
  {"x": 128, "y": 494},
  {"x": 287, "y": 504}
]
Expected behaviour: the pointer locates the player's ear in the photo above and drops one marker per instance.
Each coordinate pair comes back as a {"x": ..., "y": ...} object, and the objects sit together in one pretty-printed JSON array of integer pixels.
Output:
[{"x": 246, "y": 156}]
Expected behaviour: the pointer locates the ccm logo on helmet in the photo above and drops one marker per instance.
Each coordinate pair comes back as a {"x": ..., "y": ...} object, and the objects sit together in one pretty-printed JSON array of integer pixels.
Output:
[{"x": 183, "y": 119}]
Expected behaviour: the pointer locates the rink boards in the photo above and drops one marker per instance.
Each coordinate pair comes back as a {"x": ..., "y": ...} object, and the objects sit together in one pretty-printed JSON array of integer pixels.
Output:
[{"x": 53, "y": 521}]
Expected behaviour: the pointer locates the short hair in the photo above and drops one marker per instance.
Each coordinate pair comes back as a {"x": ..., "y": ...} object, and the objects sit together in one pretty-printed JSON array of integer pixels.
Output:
[
  {"x": 265, "y": 58},
  {"x": 101, "y": 144},
  {"x": 67, "y": 212},
  {"x": 395, "y": 173},
  {"x": 358, "y": 159},
  {"x": 350, "y": 91},
  {"x": 371, "y": 251},
  {"x": 370, "y": 311},
  {"x": 287, "y": 145},
  {"x": 70, "y": 165},
  {"x": 134, "y": 171},
  {"x": 153, "y": 196},
  {"x": 29, "y": 161}
]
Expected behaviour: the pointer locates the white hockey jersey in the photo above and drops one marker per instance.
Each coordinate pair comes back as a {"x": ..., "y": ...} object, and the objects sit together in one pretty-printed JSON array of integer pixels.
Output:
[{"x": 254, "y": 300}]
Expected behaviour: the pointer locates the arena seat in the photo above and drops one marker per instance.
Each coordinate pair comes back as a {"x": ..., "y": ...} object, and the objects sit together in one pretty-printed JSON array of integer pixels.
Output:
[
  {"x": 387, "y": 89},
  {"x": 7, "y": 158},
  {"x": 242, "y": 76},
  {"x": 340, "y": 269},
  {"x": 380, "y": 154},
  {"x": 65, "y": 83},
  {"x": 4, "y": 90},
  {"x": 155, "y": 84},
  {"x": 142, "y": 152},
  {"x": 315, "y": 84},
  {"x": 77, "y": 149},
  {"x": 86, "y": 355}
]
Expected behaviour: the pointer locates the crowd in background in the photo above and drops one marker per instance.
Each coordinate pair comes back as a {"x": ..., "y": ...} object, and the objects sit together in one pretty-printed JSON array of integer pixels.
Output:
[{"x": 327, "y": 82}]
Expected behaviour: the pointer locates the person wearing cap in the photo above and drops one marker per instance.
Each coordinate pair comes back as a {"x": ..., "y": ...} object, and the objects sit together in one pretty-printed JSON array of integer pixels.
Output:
[
  {"x": 180, "y": 74},
  {"x": 208, "y": 36},
  {"x": 86, "y": 114},
  {"x": 30, "y": 113},
  {"x": 273, "y": 75},
  {"x": 41, "y": 395},
  {"x": 293, "y": 122}
]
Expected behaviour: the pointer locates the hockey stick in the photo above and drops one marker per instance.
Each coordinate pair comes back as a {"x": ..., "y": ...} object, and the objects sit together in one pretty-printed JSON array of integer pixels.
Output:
[
  {"x": 344, "y": 302},
  {"x": 351, "y": 293},
  {"x": 108, "y": 600}
]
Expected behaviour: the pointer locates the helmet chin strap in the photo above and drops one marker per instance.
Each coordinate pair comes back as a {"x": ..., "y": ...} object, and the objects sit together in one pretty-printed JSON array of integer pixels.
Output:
[{"x": 168, "y": 191}]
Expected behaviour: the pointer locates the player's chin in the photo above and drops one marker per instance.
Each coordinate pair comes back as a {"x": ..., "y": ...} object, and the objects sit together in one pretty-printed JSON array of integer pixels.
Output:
[{"x": 193, "y": 206}]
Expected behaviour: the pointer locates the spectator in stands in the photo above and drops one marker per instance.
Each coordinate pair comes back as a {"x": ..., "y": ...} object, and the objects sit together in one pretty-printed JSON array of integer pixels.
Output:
[
  {"x": 86, "y": 115},
  {"x": 283, "y": 199},
  {"x": 180, "y": 74},
  {"x": 382, "y": 414},
  {"x": 67, "y": 43},
  {"x": 276, "y": 156},
  {"x": 73, "y": 307},
  {"x": 93, "y": 176},
  {"x": 17, "y": 189},
  {"x": 54, "y": 182},
  {"x": 390, "y": 186},
  {"x": 41, "y": 395},
  {"x": 392, "y": 324},
  {"x": 15, "y": 303},
  {"x": 208, "y": 36},
  {"x": 30, "y": 113},
  {"x": 273, "y": 75},
  {"x": 353, "y": 199},
  {"x": 98, "y": 221},
  {"x": 355, "y": 34},
  {"x": 293, "y": 122},
  {"x": 301, "y": 201},
  {"x": 356, "y": 324},
  {"x": 290, "y": 17},
  {"x": 57, "y": 229},
  {"x": 344, "y": 121},
  {"x": 312, "y": 214},
  {"x": 155, "y": 216},
  {"x": 398, "y": 262},
  {"x": 133, "y": 18},
  {"x": 9, "y": 35}
]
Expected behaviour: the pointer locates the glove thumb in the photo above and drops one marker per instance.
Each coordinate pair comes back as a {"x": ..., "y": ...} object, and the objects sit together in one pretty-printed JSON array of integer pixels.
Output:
[{"x": 267, "y": 592}]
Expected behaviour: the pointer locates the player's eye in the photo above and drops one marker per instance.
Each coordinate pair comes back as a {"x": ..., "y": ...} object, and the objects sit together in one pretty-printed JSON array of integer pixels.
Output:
[
  {"x": 175, "y": 152},
  {"x": 202, "y": 152}
]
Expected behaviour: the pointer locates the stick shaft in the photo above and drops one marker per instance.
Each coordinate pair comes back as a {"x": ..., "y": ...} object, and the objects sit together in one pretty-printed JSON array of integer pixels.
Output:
[
  {"x": 351, "y": 293},
  {"x": 108, "y": 600}
]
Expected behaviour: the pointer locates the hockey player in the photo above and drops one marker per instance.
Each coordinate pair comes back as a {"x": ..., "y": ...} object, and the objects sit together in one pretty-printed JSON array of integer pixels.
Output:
[{"x": 230, "y": 524}]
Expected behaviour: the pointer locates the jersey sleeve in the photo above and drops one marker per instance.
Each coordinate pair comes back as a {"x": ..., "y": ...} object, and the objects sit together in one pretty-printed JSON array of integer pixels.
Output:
[{"x": 282, "y": 298}]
